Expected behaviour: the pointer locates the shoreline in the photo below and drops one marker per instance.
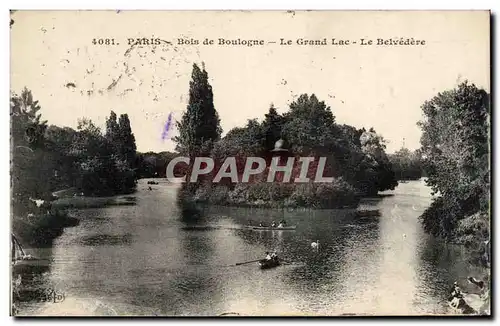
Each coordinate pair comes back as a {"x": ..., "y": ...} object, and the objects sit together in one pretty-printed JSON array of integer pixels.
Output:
[
  {"x": 40, "y": 230},
  {"x": 82, "y": 202},
  {"x": 262, "y": 205}
]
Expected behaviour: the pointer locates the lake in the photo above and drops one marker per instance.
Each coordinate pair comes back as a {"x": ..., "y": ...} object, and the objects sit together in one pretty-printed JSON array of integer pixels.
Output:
[{"x": 148, "y": 259}]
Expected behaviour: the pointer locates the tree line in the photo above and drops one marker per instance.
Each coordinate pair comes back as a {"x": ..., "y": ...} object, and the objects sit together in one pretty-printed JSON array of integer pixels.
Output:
[
  {"x": 407, "y": 165},
  {"x": 153, "y": 165},
  {"x": 46, "y": 158},
  {"x": 453, "y": 158}
]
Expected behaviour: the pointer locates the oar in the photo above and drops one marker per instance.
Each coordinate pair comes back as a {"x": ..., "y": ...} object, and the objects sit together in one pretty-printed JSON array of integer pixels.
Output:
[
  {"x": 248, "y": 262},
  {"x": 286, "y": 262}
]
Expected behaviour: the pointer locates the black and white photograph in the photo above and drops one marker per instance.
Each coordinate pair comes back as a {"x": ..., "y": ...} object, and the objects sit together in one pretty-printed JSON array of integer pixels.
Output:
[{"x": 250, "y": 163}]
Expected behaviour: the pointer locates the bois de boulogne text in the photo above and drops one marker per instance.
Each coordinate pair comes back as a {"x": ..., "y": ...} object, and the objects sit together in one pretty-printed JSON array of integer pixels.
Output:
[{"x": 189, "y": 41}]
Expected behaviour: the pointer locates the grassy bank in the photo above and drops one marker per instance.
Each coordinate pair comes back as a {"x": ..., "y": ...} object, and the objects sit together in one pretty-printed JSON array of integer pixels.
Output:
[
  {"x": 93, "y": 202},
  {"x": 38, "y": 227},
  {"x": 39, "y": 230},
  {"x": 271, "y": 195}
]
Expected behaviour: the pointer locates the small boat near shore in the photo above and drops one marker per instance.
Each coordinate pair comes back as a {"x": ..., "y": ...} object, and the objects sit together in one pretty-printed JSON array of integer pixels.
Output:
[
  {"x": 266, "y": 264},
  {"x": 270, "y": 228},
  {"x": 23, "y": 263}
]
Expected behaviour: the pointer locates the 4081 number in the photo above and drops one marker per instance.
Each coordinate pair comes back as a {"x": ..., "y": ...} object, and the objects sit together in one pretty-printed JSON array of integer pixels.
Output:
[{"x": 104, "y": 41}]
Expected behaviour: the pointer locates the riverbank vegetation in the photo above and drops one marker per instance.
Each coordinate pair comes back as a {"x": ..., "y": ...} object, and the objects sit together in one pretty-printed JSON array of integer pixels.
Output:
[
  {"x": 407, "y": 165},
  {"x": 456, "y": 156},
  {"x": 153, "y": 165},
  {"x": 47, "y": 158},
  {"x": 356, "y": 158}
]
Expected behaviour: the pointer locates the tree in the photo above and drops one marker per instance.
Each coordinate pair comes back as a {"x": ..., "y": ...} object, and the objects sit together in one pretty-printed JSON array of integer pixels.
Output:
[
  {"x": 200, "y": 123},
  {"x": 351, "y": 157},
  {"x": 29, "y": 178},
  {"x": 455, "y": 150},
  {"x": 112, "y": 128},
  {"x": 32, "y": 169},
  {"x": 103, "y": 165},
  {"x": 59, "y": 142},
  {"x": 119, "y": 135},
  {"x": 27, "y": 128},
  {"x": 383, "y": 177},
  {"x": 152, "y": 165},
  {"x": 126, "y": 141},
  {"x": 308, "y": 126},
  {"x": 407, "y": 164},
  {"x": 94, "y": 160},
  {"x": 272, "y": 127}
]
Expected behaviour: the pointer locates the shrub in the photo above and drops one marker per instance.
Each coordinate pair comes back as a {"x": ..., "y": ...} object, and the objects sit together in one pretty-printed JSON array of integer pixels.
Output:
[
  {"x": 337, "y": 194},
  {"x": 218, "y": 195},
  {"x": 239, "y": 195},
  {"x": 302, "y": 196},
  {"x": 473, "y": 229}
]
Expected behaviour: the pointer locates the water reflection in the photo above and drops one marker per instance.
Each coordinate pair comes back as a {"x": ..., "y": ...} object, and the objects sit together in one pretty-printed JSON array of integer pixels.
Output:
[
  {"x": 197, "y": 251},
  {"x": 150, "y": 259},
  {"x": 30, "y": 282}
]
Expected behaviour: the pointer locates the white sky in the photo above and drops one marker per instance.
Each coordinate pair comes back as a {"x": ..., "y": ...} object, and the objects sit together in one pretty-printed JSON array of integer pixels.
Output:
[{"x": 374, "y": 86}]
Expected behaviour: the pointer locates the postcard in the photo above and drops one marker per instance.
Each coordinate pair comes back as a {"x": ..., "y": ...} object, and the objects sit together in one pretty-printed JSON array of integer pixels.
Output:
[{"x": 250, "y": 163}]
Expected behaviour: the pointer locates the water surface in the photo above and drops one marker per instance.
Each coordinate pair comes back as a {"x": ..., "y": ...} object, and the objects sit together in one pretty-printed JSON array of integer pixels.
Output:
[{"x": 149, "y": 260}]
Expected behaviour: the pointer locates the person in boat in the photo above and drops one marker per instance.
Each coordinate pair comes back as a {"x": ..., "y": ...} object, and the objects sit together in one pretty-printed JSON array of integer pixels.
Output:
[
  {"x": 455, "y": 292},
  {"x": 268, "y": 256},
  {"x": 261, "y": 224},
  {"x": 274, "y": 256}
]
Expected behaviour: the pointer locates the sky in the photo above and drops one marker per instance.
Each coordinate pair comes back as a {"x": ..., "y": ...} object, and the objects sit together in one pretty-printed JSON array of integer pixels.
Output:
[{"x": 53, "y": 55}]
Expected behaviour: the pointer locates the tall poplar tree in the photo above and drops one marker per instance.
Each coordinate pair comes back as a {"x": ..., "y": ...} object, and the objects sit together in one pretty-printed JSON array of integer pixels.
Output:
[
  {"x": 200, "y": 124},
  {"x": 272, "y": 124},
  {"x": 127, "y": 140}
]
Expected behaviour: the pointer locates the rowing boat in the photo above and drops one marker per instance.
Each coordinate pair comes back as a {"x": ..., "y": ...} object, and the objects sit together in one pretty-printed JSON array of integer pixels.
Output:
[
  {"x": 266, "y": 264},
  {"x": 285, "y": 228}
]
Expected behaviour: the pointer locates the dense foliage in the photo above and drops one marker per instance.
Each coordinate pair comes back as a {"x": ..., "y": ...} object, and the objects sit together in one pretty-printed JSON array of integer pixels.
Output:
[
  {"x": 50, "y": 158},
  {"x": 356, "y": 159},
  {"x": 153, "y": 165},
  {"x": 104, "y": 163},
  {"x": 455, "y": 149},
  {"x": 200, "y": 124},
  {"x": 29, "y": 178},
  {"x": 407, "y": 165}
]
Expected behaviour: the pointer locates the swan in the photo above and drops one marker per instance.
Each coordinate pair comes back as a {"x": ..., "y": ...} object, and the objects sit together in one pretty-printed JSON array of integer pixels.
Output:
[
  {"x": 315, "y": 245},
  {"x": 38, "y": 202}
]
